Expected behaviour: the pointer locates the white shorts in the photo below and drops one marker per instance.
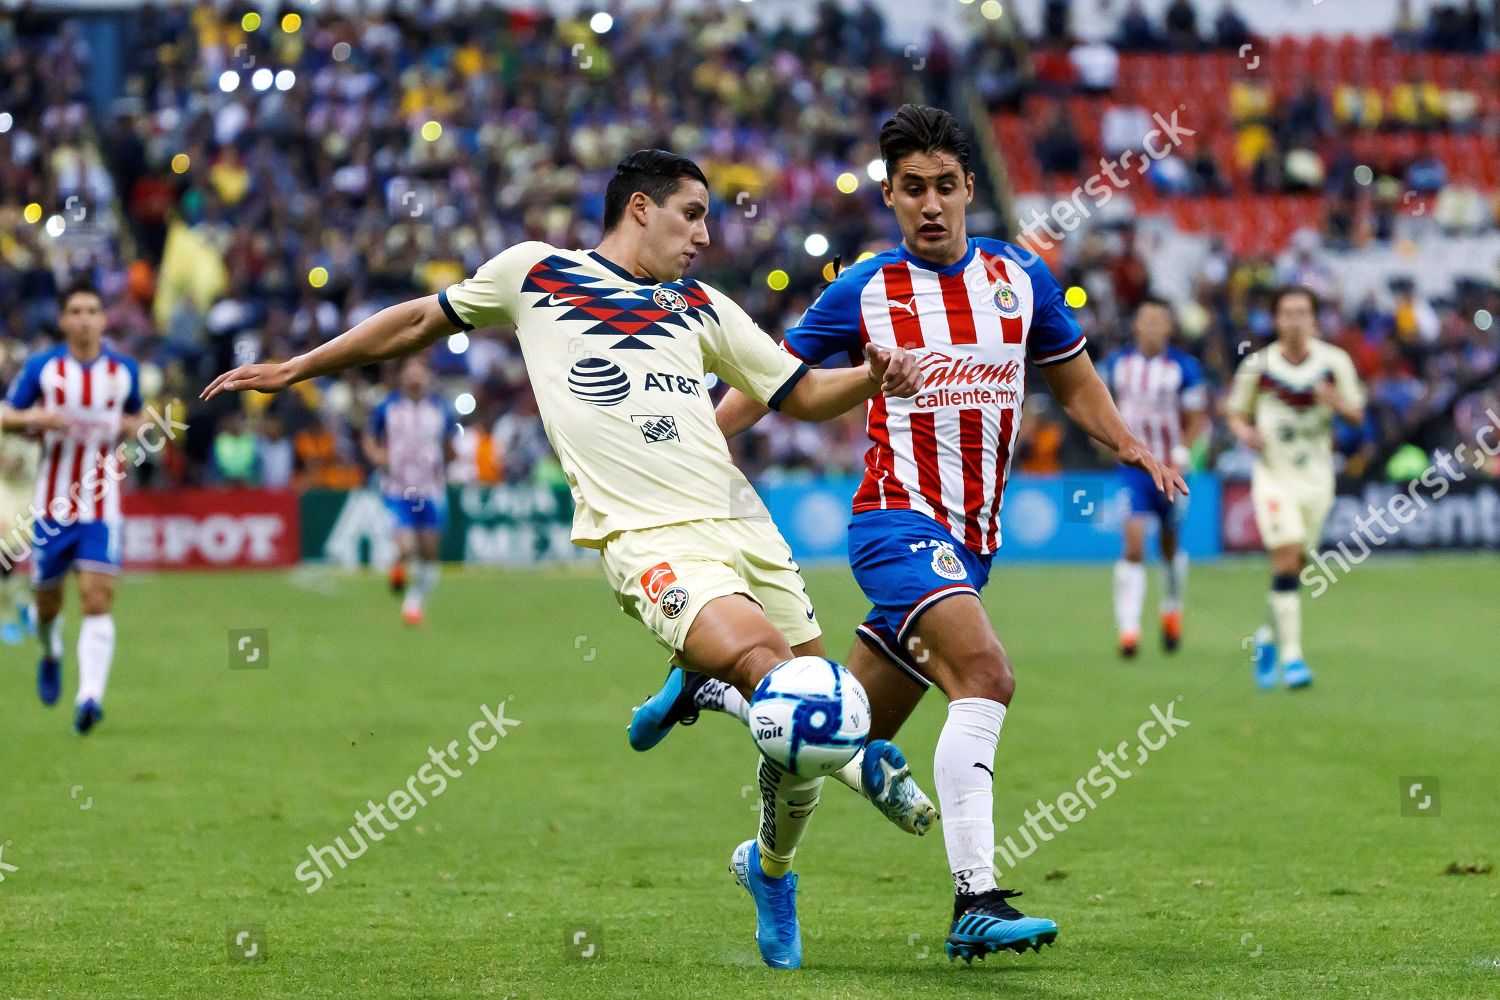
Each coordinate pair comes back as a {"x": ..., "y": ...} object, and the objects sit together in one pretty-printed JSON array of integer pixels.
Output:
[
  {"x": 664, "y": 576},
  {"x": 1289, "y": 513}
]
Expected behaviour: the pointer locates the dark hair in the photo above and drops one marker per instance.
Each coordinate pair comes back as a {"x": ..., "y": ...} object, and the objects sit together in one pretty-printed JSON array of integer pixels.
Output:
[
  {"x": 655, "y": 173},
  {"x": 917, "y": 128},
  {"x": 1285, "y": 290},
  {"x": 78, "y": 286},
  {"x": 1154, "y": 300}
]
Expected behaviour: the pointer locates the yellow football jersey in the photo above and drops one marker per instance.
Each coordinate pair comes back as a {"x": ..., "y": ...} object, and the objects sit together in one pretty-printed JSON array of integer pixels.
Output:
[
  {"x": 618, "y": 367},
  {"x": 1277, "y": 396}
]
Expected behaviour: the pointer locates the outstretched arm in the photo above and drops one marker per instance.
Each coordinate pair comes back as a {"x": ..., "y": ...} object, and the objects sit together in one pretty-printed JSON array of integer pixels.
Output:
[
  {"x": 737, "y": 412},
  {"x": 824, "y": 394},
  {"x": 391, "y": 333},
  {"x": 1087, "y": 401}
]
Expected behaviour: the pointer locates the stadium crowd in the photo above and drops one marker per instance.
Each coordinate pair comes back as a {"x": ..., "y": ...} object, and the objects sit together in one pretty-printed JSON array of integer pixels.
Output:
[{"x": 266, "y": 185}]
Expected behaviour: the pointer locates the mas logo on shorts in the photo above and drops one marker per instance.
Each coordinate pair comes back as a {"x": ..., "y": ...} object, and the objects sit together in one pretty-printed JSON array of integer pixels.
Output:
[
  {"x": 674, "y": 602},
  {"x": 656, "y": 427},
  {"x": 670, "y": 299},
  {"x": 1007, "y": 302},
  {"x": 598, "y": 381},
  {"x": 656, "y": 579},
  {"x": 946, "y": 564}
]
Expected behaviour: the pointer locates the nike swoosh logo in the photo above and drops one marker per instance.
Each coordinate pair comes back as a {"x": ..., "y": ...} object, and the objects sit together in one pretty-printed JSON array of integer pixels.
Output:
[
  {"x": 556, "y": 299},
  {"x": 809, "y": 614},
  {"x": 909, "y": 307}
]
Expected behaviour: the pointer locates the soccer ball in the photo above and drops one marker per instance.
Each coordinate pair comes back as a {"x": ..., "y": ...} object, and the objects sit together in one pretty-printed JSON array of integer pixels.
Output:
[{"x": 810, "y": 716}]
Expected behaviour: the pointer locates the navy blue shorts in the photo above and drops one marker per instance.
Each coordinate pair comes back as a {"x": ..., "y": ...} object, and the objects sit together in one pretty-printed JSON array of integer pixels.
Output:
[
  {"x": 905, "y": 562},
  {"x": 90, "y": 545},
  {"x": 1145, "y": 498},
  {"x": 417, "y": 513}
]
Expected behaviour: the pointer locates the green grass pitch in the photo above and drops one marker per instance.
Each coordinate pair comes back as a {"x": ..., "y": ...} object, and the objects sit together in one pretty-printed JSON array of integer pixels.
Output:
[{"x": 1262, "y": 852}]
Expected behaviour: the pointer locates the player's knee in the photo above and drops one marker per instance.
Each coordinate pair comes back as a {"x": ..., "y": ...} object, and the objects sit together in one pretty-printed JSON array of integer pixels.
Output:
[{"x": 988, "y": 675}]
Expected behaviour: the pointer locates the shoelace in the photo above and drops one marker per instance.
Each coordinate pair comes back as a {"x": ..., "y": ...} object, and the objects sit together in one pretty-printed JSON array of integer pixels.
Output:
[
  {"x": 782, "y": 903},
  {"x": 994, "y": 903}
]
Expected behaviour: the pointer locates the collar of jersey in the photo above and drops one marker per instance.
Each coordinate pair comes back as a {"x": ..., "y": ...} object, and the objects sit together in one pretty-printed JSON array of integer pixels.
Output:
[
  {"x": 928, "y": 265},
  {"x": 617, "y": 269}
]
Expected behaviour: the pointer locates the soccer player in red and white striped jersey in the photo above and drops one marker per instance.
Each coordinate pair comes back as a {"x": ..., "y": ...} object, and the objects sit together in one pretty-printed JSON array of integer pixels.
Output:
[
  {"x": 80, "y": 398},
  {"x": 1162, "y": 397},
  {"x": 926, "y": 520}
]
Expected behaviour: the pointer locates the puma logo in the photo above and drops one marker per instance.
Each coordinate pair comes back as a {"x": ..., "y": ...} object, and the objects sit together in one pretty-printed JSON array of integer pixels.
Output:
[
  {"x": 909, "y": 307},
  {"x": 984, "y": 769}
]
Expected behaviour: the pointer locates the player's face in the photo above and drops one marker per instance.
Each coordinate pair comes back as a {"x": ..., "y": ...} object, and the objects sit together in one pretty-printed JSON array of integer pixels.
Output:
[
  {"x": 676, "y": 232},
  {"x": 82, "y": 322},
  {"x": 1294, "y": 318},
  {"x": 1153, "y": 328},
  {"x": 929, "y": 194},
  {"x": 415, "y": 379}
]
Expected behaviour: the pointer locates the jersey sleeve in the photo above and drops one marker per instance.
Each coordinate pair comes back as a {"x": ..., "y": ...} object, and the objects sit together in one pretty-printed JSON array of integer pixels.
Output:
[
  {"x": 492, "y": 296},
  {"x": 742, "y": 354},
  {"x": 27, "y": 388},
  {"x": 1055, "y": 335},
  {"x": 132, "y": 402},
  {"x": 830, "y": 325},
  {"x": 1194, "y": 391},
  {"x": 1246, "y": 386}
]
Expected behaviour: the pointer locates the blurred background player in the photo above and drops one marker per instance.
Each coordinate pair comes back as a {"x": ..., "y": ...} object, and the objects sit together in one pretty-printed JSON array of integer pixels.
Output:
[
  {"x": 19, "y": 454},
  {"x": 1160, "y": 392},
  {"x": 81, "y": 397},
  {"x": 1281, "y": 406},
  {"x": 410, "y": 439}
]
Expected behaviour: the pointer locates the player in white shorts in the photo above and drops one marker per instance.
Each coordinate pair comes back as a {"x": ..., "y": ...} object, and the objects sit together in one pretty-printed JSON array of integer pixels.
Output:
[
  {"x": 618, "y": 344},
  {"x": 1281, "y": 406}
]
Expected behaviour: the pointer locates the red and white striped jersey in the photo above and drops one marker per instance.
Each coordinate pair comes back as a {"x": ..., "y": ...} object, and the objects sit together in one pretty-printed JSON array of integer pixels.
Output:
[
  {"x": 947, "y": 451},
  {"x": 79, "y": 476},
  {"x": 1153, "y": 392}
]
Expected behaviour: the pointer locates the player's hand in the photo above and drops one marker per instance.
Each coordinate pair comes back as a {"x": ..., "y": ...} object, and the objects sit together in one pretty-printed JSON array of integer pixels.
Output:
[
  {"x": 1251, "y": 438},
  {"x": 1167, "y": 479},
  {"x": 1328, "y": 395},
  {"x": 895, "y": 368},
  {"x": 39, "y": 421},
  {"x": 262, "y": 378}
]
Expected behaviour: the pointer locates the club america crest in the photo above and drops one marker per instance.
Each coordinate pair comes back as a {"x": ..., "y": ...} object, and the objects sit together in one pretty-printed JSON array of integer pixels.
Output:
[{"x": 669, "y": 299}]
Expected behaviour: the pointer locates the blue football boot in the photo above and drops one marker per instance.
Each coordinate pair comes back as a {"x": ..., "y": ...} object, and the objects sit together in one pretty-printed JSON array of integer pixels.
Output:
[
  {"x": 671, "y": 705},
  {"x": 776, "y": 931},
  {"x": 984, "y": 922},
  {"x": 888, "y": 783}
]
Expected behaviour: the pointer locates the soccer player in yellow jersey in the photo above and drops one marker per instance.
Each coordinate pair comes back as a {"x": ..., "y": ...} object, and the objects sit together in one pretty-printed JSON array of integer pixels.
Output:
[
  {"x": 1281, "y": 406},
  {"x": 617, "y": 343},
  {"x": 19, "y": 456}
]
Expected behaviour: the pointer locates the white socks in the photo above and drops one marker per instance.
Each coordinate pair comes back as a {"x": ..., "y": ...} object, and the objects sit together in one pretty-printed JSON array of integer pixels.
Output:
[
  {"x": 964, "y": 772},
  {"x": 96, "y": 648},
  {"x": 716, "y": 696},
  {"x": 1174, "y": 581},
  {"x": 1130, "y": 596},
  {"x": 423, "y": 580},
  {"x": 1286, "y": 619},
  {"x": 786, "y": 805}
]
